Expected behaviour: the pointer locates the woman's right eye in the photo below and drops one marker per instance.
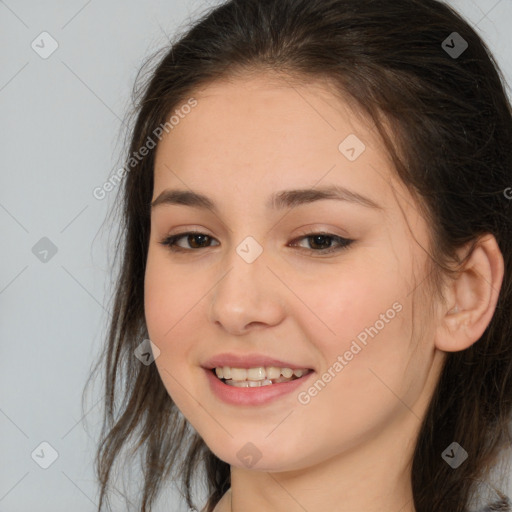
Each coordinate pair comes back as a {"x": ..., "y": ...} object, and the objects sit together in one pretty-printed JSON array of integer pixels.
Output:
[{"x": 200, "y": 239}]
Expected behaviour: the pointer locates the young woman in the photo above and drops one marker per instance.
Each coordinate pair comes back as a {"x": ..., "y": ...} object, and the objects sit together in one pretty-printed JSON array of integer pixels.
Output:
[{"x": 317, "y": 241}]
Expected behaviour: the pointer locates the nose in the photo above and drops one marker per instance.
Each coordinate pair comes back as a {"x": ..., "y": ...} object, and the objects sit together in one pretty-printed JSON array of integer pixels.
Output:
[{"x": 246, "y": 296}]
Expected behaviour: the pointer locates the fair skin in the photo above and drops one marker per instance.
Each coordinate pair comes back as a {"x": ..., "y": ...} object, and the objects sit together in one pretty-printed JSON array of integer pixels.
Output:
[{"x": 350, "y": 448}]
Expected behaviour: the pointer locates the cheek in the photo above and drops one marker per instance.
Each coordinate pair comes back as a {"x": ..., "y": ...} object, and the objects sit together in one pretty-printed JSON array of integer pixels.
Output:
[
  {"x": 355, "y": 302},
  {"x": 167, "y": 296},
  {"x": 164, "y": 307},
  {"x": 172, "y": 302},
  {"x": 362, "y": 332},
  {"x": 366, "y": 375}
]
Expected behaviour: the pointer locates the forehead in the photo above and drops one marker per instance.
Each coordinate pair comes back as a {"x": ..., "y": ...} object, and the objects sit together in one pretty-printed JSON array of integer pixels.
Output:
[
  {"x": 266, "y": 132},
  {"x": 255, "y": 108}
]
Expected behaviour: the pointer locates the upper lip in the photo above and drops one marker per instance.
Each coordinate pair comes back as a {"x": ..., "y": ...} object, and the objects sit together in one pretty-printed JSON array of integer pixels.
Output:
[{"x": 248, "y": 361}]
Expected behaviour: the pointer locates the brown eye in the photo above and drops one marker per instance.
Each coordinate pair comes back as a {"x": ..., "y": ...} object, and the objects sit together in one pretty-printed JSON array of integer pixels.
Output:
[
  {"x": 196, "y": 240},
  {"x": 322, "y": 242}
]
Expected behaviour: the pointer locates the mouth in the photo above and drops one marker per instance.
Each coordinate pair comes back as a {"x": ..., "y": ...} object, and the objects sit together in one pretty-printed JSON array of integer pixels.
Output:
[{"x": 260, "y": 376}]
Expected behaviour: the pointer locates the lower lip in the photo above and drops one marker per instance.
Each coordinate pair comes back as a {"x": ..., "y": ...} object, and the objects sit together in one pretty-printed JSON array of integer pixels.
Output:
[{"x": 252, "y": 396}]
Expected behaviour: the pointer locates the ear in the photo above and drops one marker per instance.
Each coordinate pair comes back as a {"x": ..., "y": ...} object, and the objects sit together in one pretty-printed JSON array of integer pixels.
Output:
[{"x": 471, "y": 298}]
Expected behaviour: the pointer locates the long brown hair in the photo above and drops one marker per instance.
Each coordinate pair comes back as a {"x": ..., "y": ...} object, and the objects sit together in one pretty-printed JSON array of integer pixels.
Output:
[{"x": 447, "y": 124}]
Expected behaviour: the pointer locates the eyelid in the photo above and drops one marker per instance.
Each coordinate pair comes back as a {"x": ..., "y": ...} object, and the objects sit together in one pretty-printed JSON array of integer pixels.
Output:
[
  {"x": 176, "y": 236},
  {"x": 345, "y": 242}
]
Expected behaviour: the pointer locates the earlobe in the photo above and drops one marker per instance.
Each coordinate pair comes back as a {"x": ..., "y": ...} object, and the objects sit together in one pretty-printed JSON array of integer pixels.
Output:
[{"x": 471, "y": 297}]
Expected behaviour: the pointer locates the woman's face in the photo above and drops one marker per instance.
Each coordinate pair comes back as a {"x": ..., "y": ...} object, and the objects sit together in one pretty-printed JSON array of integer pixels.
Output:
[{"x": 256, "y": 288}]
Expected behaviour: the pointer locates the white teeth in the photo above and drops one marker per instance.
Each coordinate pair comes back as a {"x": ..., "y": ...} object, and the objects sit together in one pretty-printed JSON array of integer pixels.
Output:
[
  {"x": 258, "y": 375},
  {"x": 238, "y": 374},
  {"x": 287, "y": 372},
  {"x": 239, "y": 384},
  {"x": 248, "y": 383},
  {"x": 273, "y": 372}
]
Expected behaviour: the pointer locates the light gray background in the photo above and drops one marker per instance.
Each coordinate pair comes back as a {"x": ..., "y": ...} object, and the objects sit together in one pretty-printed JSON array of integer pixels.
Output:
[{"x": 61, "y": 119}]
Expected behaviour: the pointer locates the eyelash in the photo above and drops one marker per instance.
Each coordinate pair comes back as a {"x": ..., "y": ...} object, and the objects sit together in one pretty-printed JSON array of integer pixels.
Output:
[{"x": 344, "y": 243}]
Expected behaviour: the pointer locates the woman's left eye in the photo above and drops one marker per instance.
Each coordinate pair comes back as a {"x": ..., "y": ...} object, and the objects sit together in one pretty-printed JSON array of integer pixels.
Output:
[
  {"x": 318, "y": 239},
  {"x": 322, "y": 239}
]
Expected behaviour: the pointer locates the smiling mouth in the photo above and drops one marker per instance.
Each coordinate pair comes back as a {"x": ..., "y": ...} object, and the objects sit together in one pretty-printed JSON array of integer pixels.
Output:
[{"x": 258, "y": 377}]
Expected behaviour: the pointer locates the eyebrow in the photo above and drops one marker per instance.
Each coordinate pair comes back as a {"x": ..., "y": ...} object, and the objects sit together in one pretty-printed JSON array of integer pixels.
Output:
[{"x": 278, "y": 200}]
